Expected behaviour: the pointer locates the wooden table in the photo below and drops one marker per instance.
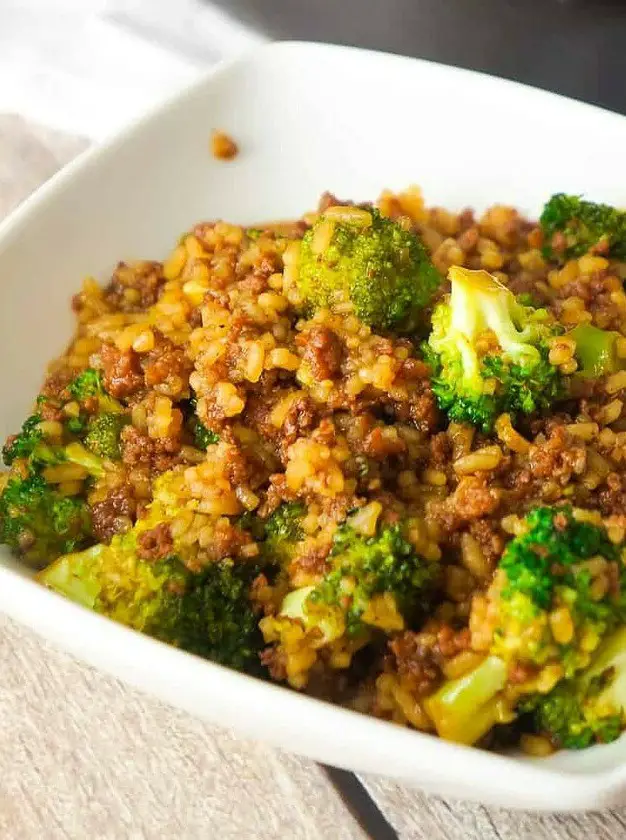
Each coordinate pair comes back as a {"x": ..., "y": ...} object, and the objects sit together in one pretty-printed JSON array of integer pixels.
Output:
[{"x": 83, "y": 756}]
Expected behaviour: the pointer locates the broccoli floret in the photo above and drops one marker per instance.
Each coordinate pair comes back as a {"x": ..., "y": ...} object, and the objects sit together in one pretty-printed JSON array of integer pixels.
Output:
[
  {"x": 89, "y": 384},
  {"x": 103, "y": 435},
  {"x": 573, "y": 227},
  {"x": 596, "y": 351},
  {"x": 377, "y": 581},
  {"x": 206, "y": 611},
  {"x": 489, "y": 353},
  {"x": 23, "y": 444},
  {"x": 77, "y": 426},
  {"x": 374, "y": 582},
  {"x": 591, "y": 707},
  {"x": 282, "y": 532},
  {"x": 86, "y": 384},
  {"x": 353, "y": 255},
  {"x": 38, "y": 523},
  {"x": 47, "y": 455},
  {"x": 547, "y": 559},
  {"x": 543, "y": 612},
  {"x": 202, "y": 436}
]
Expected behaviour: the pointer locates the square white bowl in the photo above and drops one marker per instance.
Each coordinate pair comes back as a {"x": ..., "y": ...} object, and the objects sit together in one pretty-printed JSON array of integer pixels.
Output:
[{"x": 307, "y": 118}]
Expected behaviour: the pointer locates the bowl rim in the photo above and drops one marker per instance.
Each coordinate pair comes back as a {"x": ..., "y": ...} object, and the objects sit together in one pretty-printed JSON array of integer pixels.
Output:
[{"x": 542, "y": 783}]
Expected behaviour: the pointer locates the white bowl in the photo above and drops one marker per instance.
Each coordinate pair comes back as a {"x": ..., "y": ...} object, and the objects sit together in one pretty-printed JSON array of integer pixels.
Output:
[{"x": 307, "y": 118}]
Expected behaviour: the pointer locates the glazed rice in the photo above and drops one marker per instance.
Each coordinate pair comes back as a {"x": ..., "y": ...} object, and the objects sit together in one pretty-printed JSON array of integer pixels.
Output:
[{"x": 297, "y": 404}]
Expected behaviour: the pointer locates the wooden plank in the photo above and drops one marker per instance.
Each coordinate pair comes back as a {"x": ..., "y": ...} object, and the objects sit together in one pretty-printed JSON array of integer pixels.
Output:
[
  {"x": 418, "y": 817},
  {"x": 81, "y": 755}
]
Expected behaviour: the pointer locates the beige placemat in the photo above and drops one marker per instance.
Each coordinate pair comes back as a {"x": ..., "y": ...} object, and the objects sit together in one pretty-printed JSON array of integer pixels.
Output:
[{"x": 83, "y": 756}]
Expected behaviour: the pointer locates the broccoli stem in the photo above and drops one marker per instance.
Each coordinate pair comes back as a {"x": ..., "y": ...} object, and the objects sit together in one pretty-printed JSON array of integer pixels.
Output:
[
  {"x": 294, "y": 606},
  {"x": 611, "y": 655},
  {"x": 70, "y": 575},
  {"x": 596, "y": 351},
  {"x": 79, "y": 454},
  {"x": 466, "y": 708},
  {"x": 479, "y": 302}
]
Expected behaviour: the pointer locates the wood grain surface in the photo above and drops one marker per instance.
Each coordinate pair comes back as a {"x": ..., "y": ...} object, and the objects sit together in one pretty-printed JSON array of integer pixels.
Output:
[
  {"x": 83, "y": 756},
  {"x": 418, "y": 817}
]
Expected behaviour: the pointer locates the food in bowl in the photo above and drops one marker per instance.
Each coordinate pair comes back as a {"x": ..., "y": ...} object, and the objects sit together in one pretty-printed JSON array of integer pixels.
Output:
[{"x": 376, "y": 454}]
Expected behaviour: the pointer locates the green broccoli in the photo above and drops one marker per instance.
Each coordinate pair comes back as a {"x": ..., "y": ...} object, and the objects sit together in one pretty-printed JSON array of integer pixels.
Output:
[
  {"x": 103, "y": 435},
  {"x": 488, "y": 353},
  {"x": 202, "y": 436},
  {"x": 353, "y": 255},
  {"x": 77, "y": 426},
  {"x": 364, "y": 570},
  {"x": 573, "y": 227},
  {"x": 373, "y": 582},
  {"x": 89, "y": 384},
  {"x": 591, "y": 707},
  {"x": 544, "y": 613},
  {"x": 282, "y": 531},
  {"x": 596, "y": 351},
  {"x": 38, "y": 523},
  {"x": 31, "y": 445},
  {"x": 23, "y": 444},
  {"x": 46, "y": 455},
  {"x": 205, "y": 610},
  {"x": 207, "y": 613}
]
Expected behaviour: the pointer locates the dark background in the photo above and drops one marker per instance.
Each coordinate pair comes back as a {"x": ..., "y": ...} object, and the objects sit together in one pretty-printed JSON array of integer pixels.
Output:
[{"x": 574, "y": 47}]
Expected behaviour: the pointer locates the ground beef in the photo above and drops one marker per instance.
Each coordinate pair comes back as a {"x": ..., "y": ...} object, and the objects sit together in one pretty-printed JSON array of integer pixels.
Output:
[
  {"x": 56, "y": 383},
  {"x": 312, "y": 561},
  {"x": 276, "y": 493},
  {"x": 323, "y": 352},
  {"x": 612, "y": 497},
  {"x": 114, "y": 515},
  {"x": 155, "y": 544},
  {"x": 416, "y": 661},
  {"x": 488, "y": 535},
  {"x": 450, "y": 642},
  {"x": 300, "y": 420},
  {"x": 521, "y": 672},
  {"x": 380, "y": 445},
  {"x": 469, "y": 238},
  {"x": 558, "y": 458},
  {"x": 244, "y": 469},
  {"x": 226, "y": 541},
  {"x": 122, "y": 372},
  {"x": 472, "y": 499},
  {"x": 140, "y": 450},
  {"x": 440, "y": 449},
  {"x": 597, "y": 291},
  {"x": 423, "y": 410},
  {"x": 50, "y": 410},
  {"x": 275, "y": 661},
  {"x": 135, "y": 287},
  {"x": 166, "y": 368}
]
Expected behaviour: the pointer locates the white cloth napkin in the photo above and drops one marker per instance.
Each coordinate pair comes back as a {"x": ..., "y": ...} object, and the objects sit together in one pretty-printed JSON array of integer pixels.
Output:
[{"x": 89, "y": 67}]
